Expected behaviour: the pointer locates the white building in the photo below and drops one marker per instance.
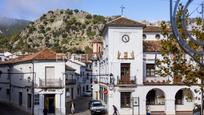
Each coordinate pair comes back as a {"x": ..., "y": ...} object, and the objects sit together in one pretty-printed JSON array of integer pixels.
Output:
[
  {"x": 125, "y": 72},
  {"x": 83, "y": 73},
  {"x": 72, "y": 91},
  {"x": 34, "y": 82}
]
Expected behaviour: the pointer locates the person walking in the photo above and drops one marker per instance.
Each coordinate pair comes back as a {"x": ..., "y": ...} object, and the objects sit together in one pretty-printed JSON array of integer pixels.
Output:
[
  {"x": 72, "y": 107},
  {"x": 115, "y": 110}
]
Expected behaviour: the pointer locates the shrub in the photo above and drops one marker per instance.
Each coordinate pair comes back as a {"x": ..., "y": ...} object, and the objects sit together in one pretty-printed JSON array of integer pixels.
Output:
[{"x": 88, "y": 16}]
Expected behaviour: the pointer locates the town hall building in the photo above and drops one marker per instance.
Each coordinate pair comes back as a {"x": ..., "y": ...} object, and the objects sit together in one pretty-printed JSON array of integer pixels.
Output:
[{"x": 124, "y": 72}]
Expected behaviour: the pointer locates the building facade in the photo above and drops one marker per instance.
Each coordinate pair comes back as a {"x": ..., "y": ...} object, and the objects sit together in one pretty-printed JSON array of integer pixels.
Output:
[
  {"x": 34, "y": 83},
  {"x": 125, "y": 76}
]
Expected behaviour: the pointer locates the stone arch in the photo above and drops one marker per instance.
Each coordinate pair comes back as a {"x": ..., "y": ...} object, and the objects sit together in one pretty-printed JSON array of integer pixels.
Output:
[
  {"x": 155, "y": 96},
  {"x": 184, "y": 101}
]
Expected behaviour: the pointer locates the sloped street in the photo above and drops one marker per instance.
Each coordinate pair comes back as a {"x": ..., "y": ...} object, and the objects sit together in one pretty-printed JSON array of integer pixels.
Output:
[{"x": 6, "y": 109}]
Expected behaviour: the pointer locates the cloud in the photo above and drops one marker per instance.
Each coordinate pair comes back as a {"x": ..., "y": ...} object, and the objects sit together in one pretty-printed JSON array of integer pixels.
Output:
[{"x": 29, "y": 9}]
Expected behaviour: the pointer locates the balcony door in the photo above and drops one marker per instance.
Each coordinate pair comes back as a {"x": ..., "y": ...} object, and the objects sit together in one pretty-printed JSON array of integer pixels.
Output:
[
  {"x": 125, "y": 72},
  {"x": 49, "y": 74}
]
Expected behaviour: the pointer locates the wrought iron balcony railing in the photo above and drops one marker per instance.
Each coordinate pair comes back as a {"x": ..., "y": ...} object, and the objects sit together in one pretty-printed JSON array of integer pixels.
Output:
[
  {"x": 51, "y": 83},
  {"x": 126, "y": 81},
  {"x": 70, "y": 81}
]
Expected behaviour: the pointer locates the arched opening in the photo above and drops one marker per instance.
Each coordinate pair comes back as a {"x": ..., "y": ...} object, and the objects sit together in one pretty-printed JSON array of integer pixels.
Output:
[
  {"x": 155, "y": 101},
  {"x": 157, "y": 36},
  {"x": 184, "y": 101}
]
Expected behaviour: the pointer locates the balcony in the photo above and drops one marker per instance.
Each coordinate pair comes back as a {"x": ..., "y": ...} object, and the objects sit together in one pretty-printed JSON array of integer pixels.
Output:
[
  {"x": 126, "y": 81},
  {"x": 51, "y": 83},
  {"x": 70, "y": 81}
]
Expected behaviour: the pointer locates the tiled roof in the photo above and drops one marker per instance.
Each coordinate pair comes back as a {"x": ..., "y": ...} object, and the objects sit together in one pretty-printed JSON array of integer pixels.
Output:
[
  {"x": 124, "y": 22},
  {"x": 151, "y": 46},
  {"x": 46, "y": 54},
  {"x": 97, "y": 41},
  {"x": 153, "y": 29}
]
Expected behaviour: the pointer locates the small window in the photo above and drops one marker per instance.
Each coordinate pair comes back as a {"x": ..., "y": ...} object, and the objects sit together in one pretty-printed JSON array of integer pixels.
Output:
[
  {"x": 125, "y": 99},
  {"x": 87, "y": 87},
  {"x": 157, "y": 36},
  {"x": 20, "y": 98},
  {"x": 29, "y": 100},
  {"x": 37, "y": 99},
  {"x": 8, "y": 91},
  {"x": 144, "y": 36},
  {"x": 150, "y": 70}
]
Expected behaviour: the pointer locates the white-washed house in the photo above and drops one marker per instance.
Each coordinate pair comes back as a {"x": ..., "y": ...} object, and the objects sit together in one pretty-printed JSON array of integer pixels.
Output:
[{"x": 34, "y": 82}]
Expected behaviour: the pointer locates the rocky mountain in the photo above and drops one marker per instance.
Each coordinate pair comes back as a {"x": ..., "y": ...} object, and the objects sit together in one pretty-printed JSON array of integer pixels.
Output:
[
  {"x": 62, "y": 30},
  {"x": 9, "y": 26}
]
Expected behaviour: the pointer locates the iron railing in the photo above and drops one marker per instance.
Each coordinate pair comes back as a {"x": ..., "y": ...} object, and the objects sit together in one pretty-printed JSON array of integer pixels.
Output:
[
  {"x": 70, "y": 81},
  {"x": 126, "y": 80},
  {"x": 46, "y": 83}
]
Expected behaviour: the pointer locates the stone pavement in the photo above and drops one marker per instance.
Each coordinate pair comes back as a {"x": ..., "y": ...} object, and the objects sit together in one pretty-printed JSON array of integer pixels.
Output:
[
  {"x": 81, "y": 106},
  {"x": 6, "y": 109}
]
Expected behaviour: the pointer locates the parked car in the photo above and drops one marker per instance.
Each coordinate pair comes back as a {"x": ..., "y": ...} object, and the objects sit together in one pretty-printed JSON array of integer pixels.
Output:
[
  {"x": 91, "y": 101},
  {"x": 87, "y": 93},
  {"x": 96, "y": 107}
]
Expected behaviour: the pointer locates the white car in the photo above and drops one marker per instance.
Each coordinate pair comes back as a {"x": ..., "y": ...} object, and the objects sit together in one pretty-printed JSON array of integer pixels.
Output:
[
  {"x": 87, "y": 93},
  {"x": 97, "y": 107}
]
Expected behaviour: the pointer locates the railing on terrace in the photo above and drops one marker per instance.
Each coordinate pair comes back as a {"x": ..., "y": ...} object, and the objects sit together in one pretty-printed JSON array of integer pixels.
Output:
[
  {"x": 70, "y": 81},
  {"x": 126, "y": 81},
  {"x": 51, "y": 83}
]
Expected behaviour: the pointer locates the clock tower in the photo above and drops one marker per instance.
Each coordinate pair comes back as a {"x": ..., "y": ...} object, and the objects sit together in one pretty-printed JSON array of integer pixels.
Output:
[
  {"x": 122, "y": 58},
  {"x": 123, "y": 44}
]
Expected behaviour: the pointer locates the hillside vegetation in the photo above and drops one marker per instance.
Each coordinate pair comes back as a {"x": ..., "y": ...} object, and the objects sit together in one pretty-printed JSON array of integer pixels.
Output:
[{"x": 62, "y": 30}]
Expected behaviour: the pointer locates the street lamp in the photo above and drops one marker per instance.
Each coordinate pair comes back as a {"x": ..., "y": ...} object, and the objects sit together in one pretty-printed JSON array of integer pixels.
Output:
[{"x": 112, "y": 80}]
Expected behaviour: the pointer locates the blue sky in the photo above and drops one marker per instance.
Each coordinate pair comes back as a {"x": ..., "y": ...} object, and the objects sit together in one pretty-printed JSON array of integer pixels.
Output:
[{"x": 151, "y": 10}]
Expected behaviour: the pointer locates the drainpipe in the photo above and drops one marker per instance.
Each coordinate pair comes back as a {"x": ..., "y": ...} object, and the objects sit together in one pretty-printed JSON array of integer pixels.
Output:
[
  {"x": 33, "y": 91},
  {"x": 9, "y": 77},
  {"x": 61, "y": 103}
]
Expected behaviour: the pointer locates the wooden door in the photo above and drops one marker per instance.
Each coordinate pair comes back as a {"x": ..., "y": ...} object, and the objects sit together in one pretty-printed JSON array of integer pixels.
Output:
[{"x": 125, "y": 72}]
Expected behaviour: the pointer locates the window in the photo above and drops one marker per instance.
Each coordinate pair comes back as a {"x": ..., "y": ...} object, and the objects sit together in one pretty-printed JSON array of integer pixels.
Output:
[
  {"x": 125, "y": 99},
  {"x": 37, "y": 99},
  {"x": 20, "y": 98},
  {"x": 49, "y": 72},
  {"x": 87, "y": 87},
  {"x": 150, "y": 70},
  {"x": 157, "y": 36},
  {"x": 125, "y": 72},
  {"x": 144, "y": 36},
  {"x": 29, "y": 101},
  {"x": 8, "y": 91}
]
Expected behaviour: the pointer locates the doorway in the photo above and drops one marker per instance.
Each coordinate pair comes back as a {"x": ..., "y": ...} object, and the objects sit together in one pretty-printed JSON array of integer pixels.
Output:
[
  {"x": 49, "y": 103},
  {"x": 125, "y": 72}
]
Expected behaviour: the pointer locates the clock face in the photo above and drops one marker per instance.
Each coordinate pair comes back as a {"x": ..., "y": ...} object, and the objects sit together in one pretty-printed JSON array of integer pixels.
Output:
[{"x": 125, "y": 38}]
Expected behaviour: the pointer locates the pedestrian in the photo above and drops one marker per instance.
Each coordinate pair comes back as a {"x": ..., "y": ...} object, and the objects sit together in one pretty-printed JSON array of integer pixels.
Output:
[
  {"x": 72, "y": 107},
  {"x": 115, "y": 110},
  {"x": 148, "y": 111}
]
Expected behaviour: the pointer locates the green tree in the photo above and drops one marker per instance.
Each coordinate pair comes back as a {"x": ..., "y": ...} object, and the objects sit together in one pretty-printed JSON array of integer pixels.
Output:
[{"x": 174, "y": 62}]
